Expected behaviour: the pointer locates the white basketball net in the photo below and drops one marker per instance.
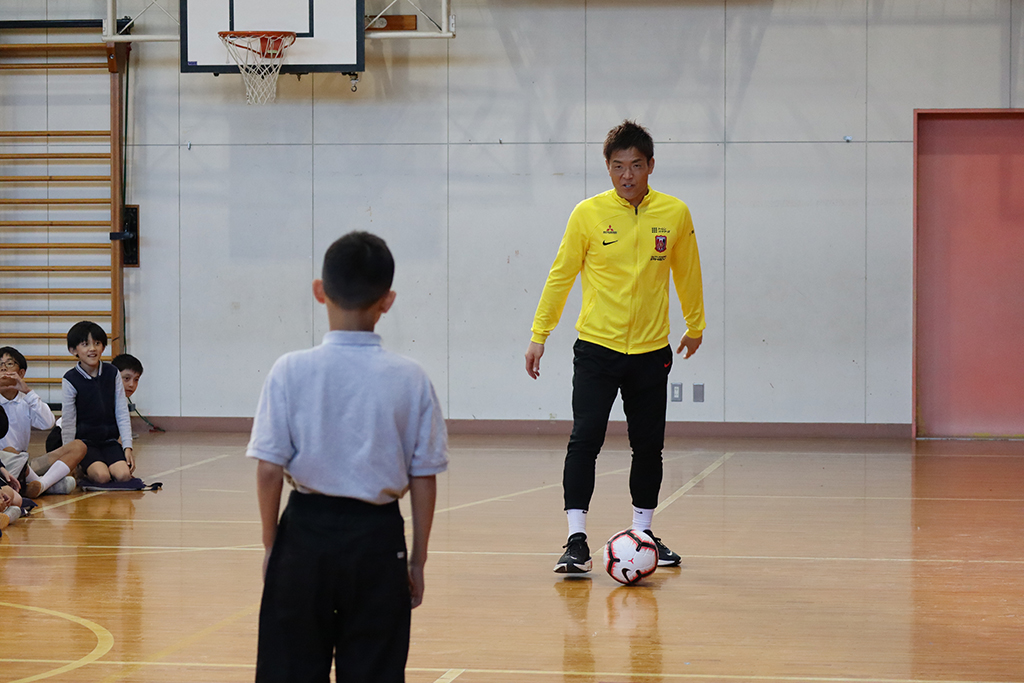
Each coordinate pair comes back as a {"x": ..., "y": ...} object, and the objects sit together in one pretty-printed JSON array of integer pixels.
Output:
[{"x": 258, "y": 56}]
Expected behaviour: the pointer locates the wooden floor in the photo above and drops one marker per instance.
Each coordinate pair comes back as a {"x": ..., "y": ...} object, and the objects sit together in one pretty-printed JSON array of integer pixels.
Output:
[{"x": 812, "y": 561}]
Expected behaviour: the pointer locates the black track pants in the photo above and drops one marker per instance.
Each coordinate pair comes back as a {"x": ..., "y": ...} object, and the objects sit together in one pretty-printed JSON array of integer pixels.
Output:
[{"x": 599, "y": 374}]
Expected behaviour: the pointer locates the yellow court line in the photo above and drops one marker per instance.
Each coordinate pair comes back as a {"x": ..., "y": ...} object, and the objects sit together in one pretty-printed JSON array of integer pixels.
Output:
[
  {"x": 104, "y": 641},
  {"x": 693, "y": 482},
  {"x": 184, "y": 642},
  {"x": 452, "y": 673}
]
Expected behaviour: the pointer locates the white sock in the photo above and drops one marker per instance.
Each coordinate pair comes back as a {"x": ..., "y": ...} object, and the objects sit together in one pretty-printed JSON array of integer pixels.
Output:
[
  {"x": 642, "y": 518},
  {"x": 13, "y": 513},
  {"x": 57, "y": 471},
  {"x": 577, "y": 521},
  {"x": 30, "y": 474}
]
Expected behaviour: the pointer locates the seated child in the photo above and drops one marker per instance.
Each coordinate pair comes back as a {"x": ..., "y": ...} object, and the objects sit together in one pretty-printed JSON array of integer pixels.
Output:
[
  {"x": 131, "y": 370},
  {"x": 25, "y": 411},
  {"x": 10, "y": 501},
  {"x": 94, "y": 411}
]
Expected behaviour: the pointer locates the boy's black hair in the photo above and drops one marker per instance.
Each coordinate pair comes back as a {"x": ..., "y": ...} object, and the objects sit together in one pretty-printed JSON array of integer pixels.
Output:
[
  {"x": 15, "y": 355},
  {"x": 81, "y": 331},
  {"x": 127, "y": 361},
  {"x": 358, "y": 270},
  {"x": 628, "y": 134}
]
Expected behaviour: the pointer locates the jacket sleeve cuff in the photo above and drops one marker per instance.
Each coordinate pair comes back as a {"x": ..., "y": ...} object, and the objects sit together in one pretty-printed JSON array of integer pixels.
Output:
[
  {"x": 694, "y": 334},
  {"x": 539, "y": 337}
]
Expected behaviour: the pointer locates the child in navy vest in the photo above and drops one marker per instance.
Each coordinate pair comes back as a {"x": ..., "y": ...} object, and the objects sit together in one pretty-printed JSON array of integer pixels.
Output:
[{"x": 95, "y": 408}]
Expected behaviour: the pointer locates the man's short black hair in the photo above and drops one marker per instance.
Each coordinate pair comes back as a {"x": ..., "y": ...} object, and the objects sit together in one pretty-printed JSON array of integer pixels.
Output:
[
  {"x": 358, "y": 270},
  {"x": 628, "y": 134},
  {"x": 127, "y": 361},
  {"x": 15, "y": 355},
  {"x": 81, "y": 331}
]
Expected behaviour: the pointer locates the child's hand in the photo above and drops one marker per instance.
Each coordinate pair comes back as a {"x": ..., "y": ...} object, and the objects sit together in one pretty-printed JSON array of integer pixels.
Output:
[
  {"x": 129, "y": 458},
  {"x": 416, "y": 585},
  {"x": 20, "y": 384},
  {"x": 9, "y": 480}
]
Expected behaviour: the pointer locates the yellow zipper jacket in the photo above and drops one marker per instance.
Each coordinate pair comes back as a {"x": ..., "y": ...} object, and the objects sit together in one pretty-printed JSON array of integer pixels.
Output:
[{"x": 625, "y": 255}]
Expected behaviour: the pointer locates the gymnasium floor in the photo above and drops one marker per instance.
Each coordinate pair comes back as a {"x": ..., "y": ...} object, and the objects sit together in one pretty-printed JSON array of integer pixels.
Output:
[{"x": 802, "y": 561}]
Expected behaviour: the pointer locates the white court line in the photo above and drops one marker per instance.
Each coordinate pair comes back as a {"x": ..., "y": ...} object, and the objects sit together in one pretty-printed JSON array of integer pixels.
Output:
[
  {"x": 53, "y": 506},
  {"x": 513, "y": 494},
  {"x": 693, "y": 482},
  {"x": 450, "y": 675},
  {"x": 896, "y": 498}
]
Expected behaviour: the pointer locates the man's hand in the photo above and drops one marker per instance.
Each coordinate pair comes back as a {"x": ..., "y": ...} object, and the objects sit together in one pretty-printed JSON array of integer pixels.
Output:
[
  {"x": 691, "y": 345},
  {"x": 129, "y": 458},
  {"x": 533, "y": 354}
]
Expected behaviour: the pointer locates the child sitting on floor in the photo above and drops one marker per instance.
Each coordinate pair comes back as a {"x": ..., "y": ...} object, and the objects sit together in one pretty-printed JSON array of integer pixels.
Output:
[
  {"x": 94, "y": 411},
  {"x": 25, "y": 411}
]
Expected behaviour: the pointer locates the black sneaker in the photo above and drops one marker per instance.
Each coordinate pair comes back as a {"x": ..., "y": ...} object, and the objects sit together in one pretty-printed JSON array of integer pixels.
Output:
[
  {"x": 666, "y": 558},
  {"x": 576, "y": 558}
]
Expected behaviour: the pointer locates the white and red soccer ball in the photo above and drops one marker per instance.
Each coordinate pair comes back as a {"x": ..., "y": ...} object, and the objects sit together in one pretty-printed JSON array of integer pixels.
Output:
[{"x": 629, "y": 556}]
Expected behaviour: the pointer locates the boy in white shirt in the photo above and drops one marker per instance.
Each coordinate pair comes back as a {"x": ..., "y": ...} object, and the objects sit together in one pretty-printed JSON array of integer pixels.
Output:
[{"x": 25, "y": 411}]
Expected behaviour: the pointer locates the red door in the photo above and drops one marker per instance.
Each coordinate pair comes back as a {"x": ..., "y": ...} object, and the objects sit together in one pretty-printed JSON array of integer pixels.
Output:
[{"x": 969, "y": 274}]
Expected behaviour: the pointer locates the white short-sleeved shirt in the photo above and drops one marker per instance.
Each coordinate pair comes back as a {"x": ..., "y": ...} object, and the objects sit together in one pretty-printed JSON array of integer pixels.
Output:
[{"x": 348, "y": 418}]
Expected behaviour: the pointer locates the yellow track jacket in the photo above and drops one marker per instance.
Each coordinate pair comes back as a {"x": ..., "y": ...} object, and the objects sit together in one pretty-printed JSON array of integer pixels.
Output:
[{"x": 625, "y": 255}]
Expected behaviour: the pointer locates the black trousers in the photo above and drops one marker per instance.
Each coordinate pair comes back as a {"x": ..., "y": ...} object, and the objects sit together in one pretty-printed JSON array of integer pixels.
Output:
[
  {"x": 337, "y": 587},
  {"x": 599, "y": 374}
]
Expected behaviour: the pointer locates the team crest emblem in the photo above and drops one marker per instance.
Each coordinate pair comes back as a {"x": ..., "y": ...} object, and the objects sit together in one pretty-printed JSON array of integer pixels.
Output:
[{"x": 660, "y": 243}]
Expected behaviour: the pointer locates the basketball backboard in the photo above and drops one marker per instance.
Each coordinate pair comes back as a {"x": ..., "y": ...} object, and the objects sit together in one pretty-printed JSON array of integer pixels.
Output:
[{"x": 329, "y": 33}]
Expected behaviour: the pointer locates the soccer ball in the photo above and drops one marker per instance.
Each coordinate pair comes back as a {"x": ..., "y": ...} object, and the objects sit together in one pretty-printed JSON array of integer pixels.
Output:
[{"x": 629, "y": 556}]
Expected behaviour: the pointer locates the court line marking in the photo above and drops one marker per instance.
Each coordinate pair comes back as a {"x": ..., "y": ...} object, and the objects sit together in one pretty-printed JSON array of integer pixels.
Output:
[
  {"x": 897, "y": 498},
  {"x": 622, "y": 675},
  {"x": 104, "y": 641},
  {"x": 118, "y": 662},
  {"x": 693, "y": 482},
  {"x": 182, "y": 643},
  {"x": 513, "y": 494},
  {"x": 137, "y": 553},
  {"x": 109, "y": 520},
  {"x": 628, "y": 676},
  {"x": 450, "y": 675},
  {"x": 52, "y": 506}
]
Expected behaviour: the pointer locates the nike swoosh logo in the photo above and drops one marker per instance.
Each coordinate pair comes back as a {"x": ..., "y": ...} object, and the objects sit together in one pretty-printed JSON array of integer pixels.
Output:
[
  {"x": 667, "y": 364},
  {"x": 607, "y": 243}
]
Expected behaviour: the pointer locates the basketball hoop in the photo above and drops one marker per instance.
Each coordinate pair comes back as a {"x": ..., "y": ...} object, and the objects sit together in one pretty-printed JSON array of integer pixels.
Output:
[{"x": 258, "y": 55}]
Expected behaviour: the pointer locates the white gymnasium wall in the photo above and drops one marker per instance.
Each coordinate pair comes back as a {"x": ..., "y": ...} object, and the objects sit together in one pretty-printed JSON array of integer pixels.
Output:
[{"x": 468, "y": 155}]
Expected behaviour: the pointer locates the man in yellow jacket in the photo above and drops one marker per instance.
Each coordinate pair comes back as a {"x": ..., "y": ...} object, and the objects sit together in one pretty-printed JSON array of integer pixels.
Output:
[{"x": 625, "y": 242}]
